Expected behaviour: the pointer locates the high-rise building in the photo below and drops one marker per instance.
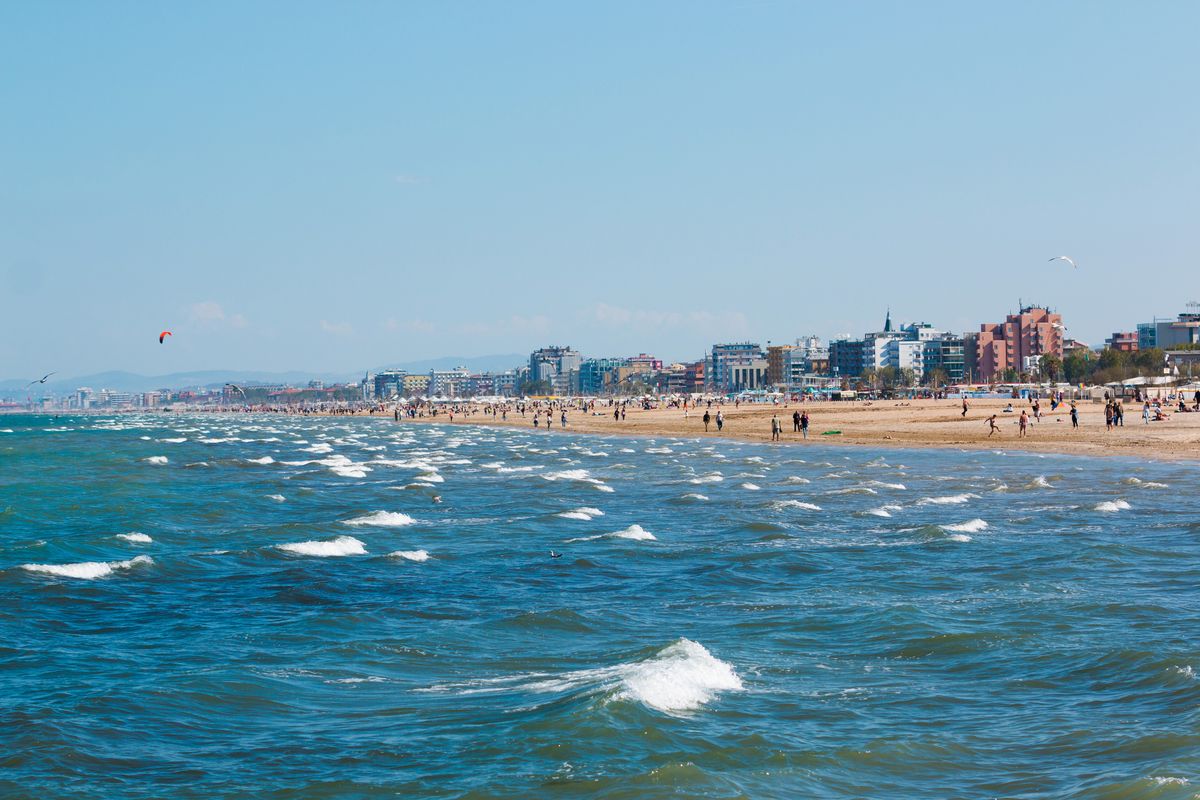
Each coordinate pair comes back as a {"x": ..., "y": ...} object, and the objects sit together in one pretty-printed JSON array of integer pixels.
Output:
[
  {"x": 1019, "y": 341},
  {"x": 779, "y": 358},
  {"x": 846, "y": 358},
  {"x": 389, "y": 383},
  {"x": 723, "y": 356},
  {"x": 547, "y": 363}
]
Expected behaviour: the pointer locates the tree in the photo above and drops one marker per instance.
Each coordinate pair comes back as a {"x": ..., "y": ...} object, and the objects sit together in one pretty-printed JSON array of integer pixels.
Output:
[
  {"x": 535, "y": 387},
  {"x": 1050, "y": 367},
  {"x": 1009, "y": 376},
  {"x": 907, "y": 377},
  {"x": 936, "y": 377},
  {"x": 1076, "y": 367},
  {"x": 887, "y": 377}
]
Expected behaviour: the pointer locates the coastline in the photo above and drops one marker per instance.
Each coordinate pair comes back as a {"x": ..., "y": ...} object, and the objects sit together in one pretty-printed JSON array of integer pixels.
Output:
[{"x": 892, "y": 424}]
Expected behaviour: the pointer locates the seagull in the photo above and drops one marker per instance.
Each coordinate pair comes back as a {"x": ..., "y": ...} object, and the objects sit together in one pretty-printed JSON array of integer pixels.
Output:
[
  {"x": 555, "y": 555},
  {"x": 236, "y": 388},
  {"x": 1067, "y": 259},
  {"x": 43, "y": 380}
]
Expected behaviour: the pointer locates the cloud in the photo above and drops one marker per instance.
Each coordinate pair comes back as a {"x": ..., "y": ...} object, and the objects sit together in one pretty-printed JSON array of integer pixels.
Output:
[
  {"x": 211, "y": 313},
  {"x": 336, "y": 328},
  {"x": 725, "y": 322},
  {"x": 407, "y": 180},
  {"x": 422, "y": 326}
]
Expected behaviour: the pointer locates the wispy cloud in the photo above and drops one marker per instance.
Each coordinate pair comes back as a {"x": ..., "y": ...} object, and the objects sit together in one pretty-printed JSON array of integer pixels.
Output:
[
  {"x": 422, "y": 326},
  {"x": 209, "y": 312},
  {"x": 725, "y": 322},
  {"x": 336, "y": 328}
]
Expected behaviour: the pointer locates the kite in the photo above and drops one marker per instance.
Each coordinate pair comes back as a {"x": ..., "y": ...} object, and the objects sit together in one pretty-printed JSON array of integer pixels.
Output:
[
  {"x": 163, "y": 335},
  {"x": 1067, "y": 259}
]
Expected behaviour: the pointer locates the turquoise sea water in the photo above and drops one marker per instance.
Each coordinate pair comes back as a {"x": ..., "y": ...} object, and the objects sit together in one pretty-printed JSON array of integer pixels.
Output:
[{"x": 276, "y": 607}]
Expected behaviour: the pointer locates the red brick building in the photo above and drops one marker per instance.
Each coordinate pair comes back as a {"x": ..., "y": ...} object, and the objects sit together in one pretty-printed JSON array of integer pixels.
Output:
[{"x": 1017, "y": 343}]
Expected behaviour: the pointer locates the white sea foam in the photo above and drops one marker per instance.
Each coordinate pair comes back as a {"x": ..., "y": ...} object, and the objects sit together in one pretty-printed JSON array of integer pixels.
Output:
[
  {"x": 320, "y": 447},
  {"x": 135, "y": 536},
  {"x": 695, "y": 496},
  {"x": 684, "y": 676},
  {"x": 585, "y": 514},
  {"x": 1040, "y": 482},
  {"x": 853, "y": 490},
  {"x": 779, "y": 505},
  {"x": 430, "y": 477},
  {"x": 278, "y": 498},
  {"x": 885, "y": 485},
  {"x": 635, "y": 531},
  {"x": 1169, "y": 780},
  {"x": 263, "y": 460},
  {"x": 796, "y": 479},
  {"x": 340, "y": 546},
  {"x": 155, "y": 460},
  {"x": 87, "y": 570},
  {"x": 1112, "y": 506},
  {"x": 970, "y": 526},
  {"x": 712, "y": 477},
  {"x": 175, "y": 440},
  {"x": 1144, "y": 484},
  {"x": 953, "y": 499},
  {"x": 410, "y": 555},
  {"x": 752, "y": 487},
  {"x": 882, "y": 511},
  {"x": 382, "y": 519},
  {"x": 959, "y": 537}
]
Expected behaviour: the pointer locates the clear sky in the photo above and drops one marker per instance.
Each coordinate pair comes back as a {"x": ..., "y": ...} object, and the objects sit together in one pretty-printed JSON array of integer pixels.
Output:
[{"x": 334, "y": 186}]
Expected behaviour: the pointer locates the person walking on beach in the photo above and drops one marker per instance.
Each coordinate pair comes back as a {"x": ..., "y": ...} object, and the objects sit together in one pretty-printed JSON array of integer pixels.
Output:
[
  {"x": 1146, "y": 412},
  {"x": 1074, "y": 415},
  {"x": 616, "y": 415},
  {"x": 992, "y": 426},
  {"x": 564, "y": 418},
  {"x": 1024, "y": 422},
  {"x": 796, "y": 421},
  {"x": 1108, "y": 415},
  {"x": 964, "y": 405},
  {"x": 720, "y": 420},
  {"x": 1118, "y": 414},
  {"x": 804, "y": 424},
  {"x": 707, "y": 418}
]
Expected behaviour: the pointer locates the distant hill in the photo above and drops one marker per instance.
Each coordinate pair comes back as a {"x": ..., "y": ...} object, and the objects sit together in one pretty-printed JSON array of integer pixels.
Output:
[{"x": 133, "y": 382}]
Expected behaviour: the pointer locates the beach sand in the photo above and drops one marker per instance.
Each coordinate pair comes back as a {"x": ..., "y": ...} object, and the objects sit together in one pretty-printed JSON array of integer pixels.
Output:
[{"x": 887, "y": 423}]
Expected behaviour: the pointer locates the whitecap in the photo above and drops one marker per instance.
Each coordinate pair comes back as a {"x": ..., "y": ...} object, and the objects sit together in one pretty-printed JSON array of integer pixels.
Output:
[
  {"x": 779, "y": 505},
  {"x": 410, "y": 555},
  {"x": 340, "y": 546},
  {"x": 175, "y": 440},
  {"x": 796, "y": 479},
  {"x": 959, "y": 537},
  {"x": 694, "y": 496},
  {"x": 155, "y": 460},
  {"x": 953, "y": 499},
  {"x": 382, "y": 519},
  {"x": 712, "y": 477},
  {"x": 263, "y": 460},
  {"x": 585, "y": 514},
  {"x": 87, "y": 570},
  {"x": 278, "y": 498},
  {"x": 135, "y": 536},
  {"x": 752, "y": 487},
  {"x": 635, "y": 531},
  {"x": 970, "y": 526},
  {"x": 1112, "y": 506}
]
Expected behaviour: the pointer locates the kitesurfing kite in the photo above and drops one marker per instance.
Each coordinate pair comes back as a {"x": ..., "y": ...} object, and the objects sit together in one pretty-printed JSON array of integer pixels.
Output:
[
  {"x": 1067, "y": 259},
  {"x": 43, "y": 379},
  {"x": 163, "y": 335}
]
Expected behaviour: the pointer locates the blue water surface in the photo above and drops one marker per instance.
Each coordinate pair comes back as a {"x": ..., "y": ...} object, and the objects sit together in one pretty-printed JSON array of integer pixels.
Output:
[{"x": 296, "y": 607}]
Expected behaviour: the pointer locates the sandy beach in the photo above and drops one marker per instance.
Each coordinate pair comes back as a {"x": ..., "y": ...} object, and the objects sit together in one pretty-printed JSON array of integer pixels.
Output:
[{"x": 916, "y": 423}]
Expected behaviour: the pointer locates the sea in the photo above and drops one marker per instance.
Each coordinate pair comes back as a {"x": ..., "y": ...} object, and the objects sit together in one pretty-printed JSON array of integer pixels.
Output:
[{"x": 245, "y": 606}]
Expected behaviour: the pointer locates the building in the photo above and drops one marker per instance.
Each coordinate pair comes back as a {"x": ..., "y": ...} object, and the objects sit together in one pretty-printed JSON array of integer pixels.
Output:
[
  {"x": 846, "y": 358},
  {"x": 389, "y": 383},
  {"x": 595, "y": 374},
  {"x": 448, "y": 382},
  {"x": 546, "y": 363},
  {"x": 1124, "y": 341},
  {"x": 947, "y": 353},
  {"x": 723, "y": 356},
  {"x": 1020, "y": 340},
  {"x": 414, "y": 385},
  {"x": 748, "y": 375},
  {"x": 1168, "y": 333},
  {"x": 779, "y": 362}
]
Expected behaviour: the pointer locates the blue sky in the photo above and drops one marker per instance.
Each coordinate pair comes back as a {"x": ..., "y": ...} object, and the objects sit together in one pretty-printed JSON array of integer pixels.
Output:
[{"x": 340, "y": 185}]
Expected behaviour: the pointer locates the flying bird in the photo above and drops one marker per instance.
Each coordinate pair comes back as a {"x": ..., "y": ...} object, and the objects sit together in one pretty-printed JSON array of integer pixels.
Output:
[
  {"x": 163, "y": 335},
  {"x": 555, "y": 555},
  {"x": 236, "y": 388},
  {"x": 43, "y": 379},
  {"x": 1067, "y": 259}
]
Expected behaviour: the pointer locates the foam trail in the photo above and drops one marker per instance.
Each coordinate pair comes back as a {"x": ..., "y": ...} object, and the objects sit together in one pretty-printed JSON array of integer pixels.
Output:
[
  {"x": 382, "y": 519},
  {"x": 87, "y": 570}
]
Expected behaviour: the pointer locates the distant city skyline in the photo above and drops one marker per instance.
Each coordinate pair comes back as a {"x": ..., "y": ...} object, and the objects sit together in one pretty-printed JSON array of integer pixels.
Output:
[{"x": 324, "y": 189}]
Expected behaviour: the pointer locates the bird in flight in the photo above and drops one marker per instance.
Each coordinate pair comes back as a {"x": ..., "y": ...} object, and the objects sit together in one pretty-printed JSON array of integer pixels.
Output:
[
  {"x": 555, "y": 555},
  {"x": 1067, "y": 259},
  {"x": 43, "y": 379}
]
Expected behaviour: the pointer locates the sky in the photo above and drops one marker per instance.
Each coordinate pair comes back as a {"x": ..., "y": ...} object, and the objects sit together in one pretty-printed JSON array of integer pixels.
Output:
[{"x": 338, "y": 186}]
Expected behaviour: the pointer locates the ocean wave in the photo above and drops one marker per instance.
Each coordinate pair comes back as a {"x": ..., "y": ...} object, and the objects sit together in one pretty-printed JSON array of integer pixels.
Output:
[
  {"x": 320, "y": 447},
  {"x": 1113, "y": 506},
  {"x": 382, "y": 519},
  {"x": 853, "y": 490},
  {"x": 585, "y": 514},
  {"x": 339, "y": 546},
  {"x": 87, "y": 570},
  {"x": 712, "y": 477},
  {"x": 155, "y": 460},
  {"x": 796, "y": 479},
  {"x": 1144, "y": 484},
  {"x": 885, "y": 485},
  {"x": 970, "y": 526},
  {"x": 682, "y": 677},
  {"x": 410, "y": 555},
  {"x": 751, "y": 487},
  {"x": 135, "y": 536},
  {"x": 694, "y": 496},
  {"x": 635, "y": 532},
  {"x": 953, "y": 499},
  {"x": 779, "y": 505},
  {"x": 263, "y": 460},
  {"x": 278, "y": 498}
]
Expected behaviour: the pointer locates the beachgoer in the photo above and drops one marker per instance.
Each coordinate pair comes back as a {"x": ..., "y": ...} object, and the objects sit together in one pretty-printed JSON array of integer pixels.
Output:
[
  {"x": 1023, "y": 422},
  {"x": 992, "y": 427},
  {"x": 1074, "y": 415},
  {"x": 707, "y": 418},
  {"x": 1146, "y": 412},
  {"x": 775, "y": 427},
  {"x": 795, "y": 422},
  {"x": 964, "y": 405},
  {"x": 804, "y": 424},
  {"x": 720, "y": 420}
]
